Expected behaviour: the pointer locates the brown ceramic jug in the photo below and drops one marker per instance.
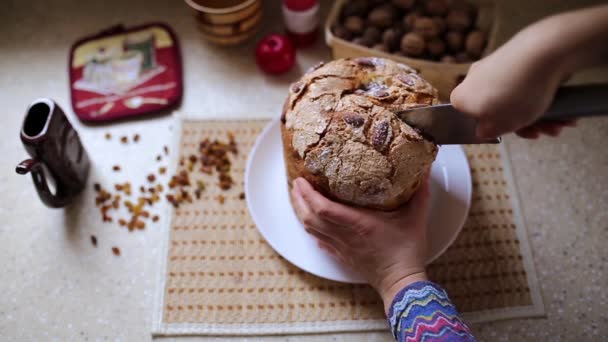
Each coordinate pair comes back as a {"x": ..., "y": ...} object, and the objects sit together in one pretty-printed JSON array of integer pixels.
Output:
[{"x": 59, "y": 164}]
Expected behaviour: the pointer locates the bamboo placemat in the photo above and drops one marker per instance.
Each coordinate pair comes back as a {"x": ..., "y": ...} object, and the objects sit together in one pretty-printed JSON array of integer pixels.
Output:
[{"x": 219, "y": 276}]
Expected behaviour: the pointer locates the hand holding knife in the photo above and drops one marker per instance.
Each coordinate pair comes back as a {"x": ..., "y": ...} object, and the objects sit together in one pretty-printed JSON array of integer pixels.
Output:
[{"x": 446, "y": 125}]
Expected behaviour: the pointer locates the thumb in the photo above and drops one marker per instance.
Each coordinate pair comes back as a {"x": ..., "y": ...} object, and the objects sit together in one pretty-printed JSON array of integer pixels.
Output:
[{"x": 419, "y": 203}]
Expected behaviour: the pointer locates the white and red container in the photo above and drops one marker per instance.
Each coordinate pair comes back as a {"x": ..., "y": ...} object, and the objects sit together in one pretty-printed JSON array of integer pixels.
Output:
[{"x": 301, "y": 21}]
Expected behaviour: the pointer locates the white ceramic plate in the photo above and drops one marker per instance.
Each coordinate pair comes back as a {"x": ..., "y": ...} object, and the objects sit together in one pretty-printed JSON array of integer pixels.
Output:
[{"x": 268, "y": 201}]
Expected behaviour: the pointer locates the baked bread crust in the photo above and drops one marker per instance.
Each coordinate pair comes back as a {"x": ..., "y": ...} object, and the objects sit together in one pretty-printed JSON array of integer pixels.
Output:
[{"x": 340, "y": 132}]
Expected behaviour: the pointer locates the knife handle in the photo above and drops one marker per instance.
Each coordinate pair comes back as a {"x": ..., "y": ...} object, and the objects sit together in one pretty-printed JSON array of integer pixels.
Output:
[{"x": 574, "y": 102}]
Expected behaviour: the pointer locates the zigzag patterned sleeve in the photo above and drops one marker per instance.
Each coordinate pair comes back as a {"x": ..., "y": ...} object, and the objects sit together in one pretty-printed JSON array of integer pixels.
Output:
[{"x": 422, "y": 311}]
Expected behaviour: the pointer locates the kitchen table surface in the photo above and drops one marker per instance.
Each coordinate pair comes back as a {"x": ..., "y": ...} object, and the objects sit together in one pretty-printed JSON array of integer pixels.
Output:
[{"x": 56, "y": 286}]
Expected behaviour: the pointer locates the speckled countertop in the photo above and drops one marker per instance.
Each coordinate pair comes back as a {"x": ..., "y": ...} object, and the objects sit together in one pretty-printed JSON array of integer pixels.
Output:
[{"x": 56, "y": 286}]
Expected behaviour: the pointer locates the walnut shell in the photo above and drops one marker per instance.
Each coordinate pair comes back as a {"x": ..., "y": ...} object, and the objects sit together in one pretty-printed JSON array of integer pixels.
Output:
[
  {"x": 409, "y": 20},
  {"x": 459, "y": 20},
  {"x": 448, "y": 59},
  {"x": 354, "y": 24},
  {"x": 403, "y": 4},
  {"x": 454, "y": 40},
  {"x": 436, "y": 47},
  {"x": 356, "y": 7},
  {"x": 426, "y": 27},
  {"x": 462, "y": 57},
  {"x": 341, "y": 32},
  {"x": 412, "y": 44},
  {"x": 381, "y": 17},
  {"x": 441, "y": 24},
  {"x": 436, "y": 7},
  {"x": 371, "y": 36},
  {"x": 475, "y": 43},
  {"x": 462, "y": 5},
  {"x": 381, "y": 47},
  {"x": 392, "y": 37},
  {"x": 342, "y": 135},
  {"x": 359, "y": 41}
]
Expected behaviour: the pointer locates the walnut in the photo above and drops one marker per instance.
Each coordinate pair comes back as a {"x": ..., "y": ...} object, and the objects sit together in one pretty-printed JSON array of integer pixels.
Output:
[
  {"x": 409, "y": 20},
  {"x": 391, "y": 38},
  {"x": 354, "y": 24},
  {"x": 475, "y": 43},
  {"x": 436, "y": 47},
  {"x": 403, "y": 4},
  {"x": 381, "y": 17},
  {"x": 462, "y": 57},
  {"x": 426, "y": 27},
  {"x": 371, "y": 36},
  {"x": 441, "y": 24},
  {"x": 459, "y": 20},
  {"x": 341, "y": 32},
  {"x": 462, "y": 5},
  {"x": 412, "y": 44},
  {"x": 356, "y": 7},
  {"x": 359, "y": 41},
  {"x": 436, "y": 7},
  {"x": 448, "y": 59},
  {"x": 454, "y": 40},
  {"x": 381, "y": 47}
]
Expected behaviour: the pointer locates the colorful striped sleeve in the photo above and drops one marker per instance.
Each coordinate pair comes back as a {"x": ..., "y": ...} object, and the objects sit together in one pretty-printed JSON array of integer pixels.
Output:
[{"x": 422, "y": 311}]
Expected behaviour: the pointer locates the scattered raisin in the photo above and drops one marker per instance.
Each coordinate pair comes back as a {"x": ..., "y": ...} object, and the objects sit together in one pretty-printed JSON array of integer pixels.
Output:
[
  {"x": 154, "y": 218},
  {"x": 116, "y": 167},
  {"x": 124, "y": 139},
  {"x": 136, "y": 138},
  {"x": 108, "y": 136},
  {"x": 166, "y": 149},
  {"x": 97, "y": 187},
  {"x": 94, "y": 240},
  {"x": 162, "y": 170},
  {"x": 116, "y": 251},
  {"x": 242, "y": 196},
  {"x": 151, "y": 178}
]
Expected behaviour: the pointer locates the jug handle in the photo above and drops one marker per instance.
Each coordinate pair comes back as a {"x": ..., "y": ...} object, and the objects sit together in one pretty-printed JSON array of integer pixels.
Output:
[{"x": 35, "y": 167}]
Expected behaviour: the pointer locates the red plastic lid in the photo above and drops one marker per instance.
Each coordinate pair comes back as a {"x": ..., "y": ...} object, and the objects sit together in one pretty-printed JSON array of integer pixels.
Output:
[
  {"x": 300, "y": 5},
  {"x": 120, "y": 72}
]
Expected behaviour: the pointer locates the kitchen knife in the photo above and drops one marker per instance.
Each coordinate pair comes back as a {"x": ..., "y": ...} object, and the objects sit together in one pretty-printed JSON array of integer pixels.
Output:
[{"x": 446, "y": 125}]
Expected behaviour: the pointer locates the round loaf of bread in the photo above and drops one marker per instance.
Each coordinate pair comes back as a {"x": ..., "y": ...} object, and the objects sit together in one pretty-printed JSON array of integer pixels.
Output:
[{"x": 340, "y": 131}]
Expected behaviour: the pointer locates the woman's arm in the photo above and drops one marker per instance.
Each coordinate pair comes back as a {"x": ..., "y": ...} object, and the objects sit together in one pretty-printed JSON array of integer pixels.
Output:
[
  {"x": 423, "y": 311},
  {"x": 389, "y": 250},
  {"x": 512, "y": 87}
]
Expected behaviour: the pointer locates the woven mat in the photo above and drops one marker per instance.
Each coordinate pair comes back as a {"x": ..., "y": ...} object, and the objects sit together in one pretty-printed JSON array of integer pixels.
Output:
[{"x": 220, "y": 277}]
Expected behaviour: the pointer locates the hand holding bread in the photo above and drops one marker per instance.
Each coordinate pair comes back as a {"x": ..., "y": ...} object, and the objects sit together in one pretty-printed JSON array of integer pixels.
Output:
[{"x": 388, "y": 248}]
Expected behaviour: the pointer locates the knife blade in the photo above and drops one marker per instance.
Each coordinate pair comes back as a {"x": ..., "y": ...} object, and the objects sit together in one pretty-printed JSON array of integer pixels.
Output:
[{"x": 445, "y": 125}]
